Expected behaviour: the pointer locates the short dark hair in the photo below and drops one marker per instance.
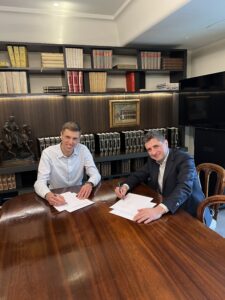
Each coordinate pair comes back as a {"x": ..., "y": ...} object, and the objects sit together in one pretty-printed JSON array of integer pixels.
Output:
[
  {"x": 154, "y": 135},
  {"x": 72, "y": 126}
]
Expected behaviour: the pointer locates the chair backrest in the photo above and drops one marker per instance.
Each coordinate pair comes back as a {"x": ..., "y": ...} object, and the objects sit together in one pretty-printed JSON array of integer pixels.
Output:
[
  {"x": 211, "y": 201},
  {"x": 205, "y": 170}
]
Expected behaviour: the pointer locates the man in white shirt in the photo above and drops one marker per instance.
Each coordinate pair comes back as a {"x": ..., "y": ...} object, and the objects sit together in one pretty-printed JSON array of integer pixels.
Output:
[{"x": 63, "y": 165}]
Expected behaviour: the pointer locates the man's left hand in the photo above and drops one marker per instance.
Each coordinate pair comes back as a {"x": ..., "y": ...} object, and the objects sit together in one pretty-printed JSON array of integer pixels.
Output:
[
  {"x": 85, "y": 191},
  {"x": 148, "y": 215}
]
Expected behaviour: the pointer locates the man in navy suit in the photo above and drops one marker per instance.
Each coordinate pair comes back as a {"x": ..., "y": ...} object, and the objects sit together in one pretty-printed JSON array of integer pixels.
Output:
[{"x": 172, "y": 173}]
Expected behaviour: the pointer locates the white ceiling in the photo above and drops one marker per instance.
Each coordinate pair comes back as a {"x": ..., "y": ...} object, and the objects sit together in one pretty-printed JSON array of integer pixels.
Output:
[{"x": 196, "y": 24}]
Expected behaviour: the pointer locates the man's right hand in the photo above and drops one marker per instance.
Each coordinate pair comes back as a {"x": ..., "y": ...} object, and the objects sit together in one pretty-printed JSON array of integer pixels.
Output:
[
  {"x": 54, "y": 199},
  {"x": 121, "y": 191}
]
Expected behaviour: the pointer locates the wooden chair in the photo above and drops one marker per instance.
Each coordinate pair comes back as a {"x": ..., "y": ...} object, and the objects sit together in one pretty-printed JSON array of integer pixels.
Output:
[
  {"x": 212, "y": 178},
  {"x": 210, "y": 202}
]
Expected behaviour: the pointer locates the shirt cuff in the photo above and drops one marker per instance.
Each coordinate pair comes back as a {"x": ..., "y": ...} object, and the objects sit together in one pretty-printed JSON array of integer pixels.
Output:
[
  {"x": 164, "y": 207},
  {"x": 127, "y": 186}
]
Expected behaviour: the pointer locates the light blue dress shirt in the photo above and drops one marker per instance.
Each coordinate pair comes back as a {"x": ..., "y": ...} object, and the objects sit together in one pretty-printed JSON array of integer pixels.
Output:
[{"x": 57, "y": 170}]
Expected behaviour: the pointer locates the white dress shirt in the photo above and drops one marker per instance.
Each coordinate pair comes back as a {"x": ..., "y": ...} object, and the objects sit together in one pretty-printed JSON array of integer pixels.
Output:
[
  {"x": 162, "y": 166},
  {"x": 57, "y": 170}
]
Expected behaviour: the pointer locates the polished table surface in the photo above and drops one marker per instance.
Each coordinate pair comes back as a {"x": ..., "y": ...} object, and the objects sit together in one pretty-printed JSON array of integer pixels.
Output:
[{"x": 92, "y": 254}]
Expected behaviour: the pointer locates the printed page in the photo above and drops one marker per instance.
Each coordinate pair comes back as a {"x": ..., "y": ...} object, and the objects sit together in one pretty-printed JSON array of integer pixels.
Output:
[
  {"x": 72, "y": 202},
  {"x": 128, "y": 207}
]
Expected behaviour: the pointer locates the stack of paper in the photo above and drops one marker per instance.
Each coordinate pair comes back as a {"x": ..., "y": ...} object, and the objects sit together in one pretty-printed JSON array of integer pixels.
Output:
[
  {"x": 128, "y": 207},
  {"x": 72, "y": 202}
]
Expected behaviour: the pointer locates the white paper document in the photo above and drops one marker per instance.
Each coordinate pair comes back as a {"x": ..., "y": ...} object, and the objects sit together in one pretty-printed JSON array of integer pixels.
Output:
[
  {"x": 128, "y": 207},
  {"x": 72, "y": 202}
]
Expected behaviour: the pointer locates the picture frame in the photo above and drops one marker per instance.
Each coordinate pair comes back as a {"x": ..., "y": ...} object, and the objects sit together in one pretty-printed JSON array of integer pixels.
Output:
[{"x": 124, "y": 113}]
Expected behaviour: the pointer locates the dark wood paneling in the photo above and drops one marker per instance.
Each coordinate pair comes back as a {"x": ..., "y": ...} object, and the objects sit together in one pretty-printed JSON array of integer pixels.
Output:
[
  {"x": 45, "y": 114},
  {"x": 92, "y": 112}
]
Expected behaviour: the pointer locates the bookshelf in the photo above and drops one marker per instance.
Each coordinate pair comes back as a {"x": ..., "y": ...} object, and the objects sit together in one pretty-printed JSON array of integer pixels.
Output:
[
  {"x": 45, "y": 110},
  {"x": 79, "y": 69}
]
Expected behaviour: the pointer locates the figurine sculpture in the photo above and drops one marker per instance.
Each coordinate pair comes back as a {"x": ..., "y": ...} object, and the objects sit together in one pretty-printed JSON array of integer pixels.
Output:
[{"x": 16, "y": 142}]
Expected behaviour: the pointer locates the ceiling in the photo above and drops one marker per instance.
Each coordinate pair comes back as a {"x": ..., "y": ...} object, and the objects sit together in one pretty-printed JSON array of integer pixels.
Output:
[{"x": 195, "y": 24}]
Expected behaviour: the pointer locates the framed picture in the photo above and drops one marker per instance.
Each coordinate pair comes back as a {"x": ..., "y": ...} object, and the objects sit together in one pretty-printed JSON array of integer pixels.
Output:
[{"x": 124, "y": 112}]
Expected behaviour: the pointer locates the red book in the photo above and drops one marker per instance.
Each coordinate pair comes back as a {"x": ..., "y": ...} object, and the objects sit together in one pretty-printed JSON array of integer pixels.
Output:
[
  {"x": 130, "y": 80},
  {"x": 70, "y": 81}
]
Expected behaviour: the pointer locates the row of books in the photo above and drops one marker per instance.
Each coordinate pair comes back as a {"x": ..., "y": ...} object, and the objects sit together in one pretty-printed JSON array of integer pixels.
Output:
[
  {"x": 75, "y": 81},
  {"x": 122, "y": 167},
  {"x": 18, "y": 56},
  {"x": 13, "y": 82},
  {"x": 132, "y": 141},
  {"x": 151, "y": 60},
  {"x": 170, "y": 133},
  {"x": 7, "y": 182},
  {"x": 108, "y": 143},
  {"x": 113, "y": 143},
  {"x": 52, "y": 60},
  {"x": 168, "y": 86},
  {"x": 97, "y": 82},
  {"x": 102, "y": 59},
  {"x": 4, "y": 63},
  {"x": 169, "y": 63},
  {"x": 52, "y": 89},
  {"x": 74, "y": 57}
]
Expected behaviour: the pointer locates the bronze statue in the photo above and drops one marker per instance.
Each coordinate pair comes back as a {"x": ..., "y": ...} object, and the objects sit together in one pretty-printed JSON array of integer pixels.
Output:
[{"x": 16, "y": 142}]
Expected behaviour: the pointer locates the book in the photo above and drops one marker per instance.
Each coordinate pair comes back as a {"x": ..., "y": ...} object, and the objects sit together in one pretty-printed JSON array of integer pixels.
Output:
[
  {"x": 124, "y": 66},
  {"x": 130, "y": 81},
  {"x": 11, "y": 56},
  {"x": 17, "y": 56}
]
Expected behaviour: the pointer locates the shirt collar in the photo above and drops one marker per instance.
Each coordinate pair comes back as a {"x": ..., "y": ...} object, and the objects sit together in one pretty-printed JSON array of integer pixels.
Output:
[
  {"x": 60, "y": 153},
  {"x": 164, "y": 160}
]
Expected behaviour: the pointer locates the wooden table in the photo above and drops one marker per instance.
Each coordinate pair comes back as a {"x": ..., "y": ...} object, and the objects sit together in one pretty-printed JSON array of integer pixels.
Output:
[{"x": 92, "y": 254}]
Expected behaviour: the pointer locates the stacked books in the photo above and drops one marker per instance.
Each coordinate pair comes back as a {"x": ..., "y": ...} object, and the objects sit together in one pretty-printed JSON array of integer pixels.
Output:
[
  {"x": 52, "y": 60},
  {"x": 13, "y": 82},
  {"x": 107, "y": 143},
  {"x": 75, "y": 81},
  {"x": 168, "y": 86},
  {"x": 162, "y": 131},
  {"x": 151, "y": 60},
  {"x": 132, "y": 141},
  {"x": 106, "y": 169},
  {"x": 74, "y": 57},
  {"x": 137, "y": 164},
  {"x": 4, "y": 64},
  {"x": 125, "y": 66},
  {"x": 169, "y": 63},
  {"x": 114, "y": 143},
  {"x": 54, "y": 89},
  {"x": 102, "y": 59},
  {"x": 89, "y": 141},
  {"x": 18, "y": 56},
  {"x": 126, "y": 166},
  {"x": 7, "y": 182},
  {"x": 86, "y": 139},
  {"x": 45, "y": 142},
  {"x": 97, "y": 82}
]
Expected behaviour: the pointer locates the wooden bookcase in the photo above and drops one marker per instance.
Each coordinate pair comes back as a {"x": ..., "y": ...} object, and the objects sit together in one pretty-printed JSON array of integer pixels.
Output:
[
  {"x": 45, "y": 113},
  {"x": 142, "y": 63}
]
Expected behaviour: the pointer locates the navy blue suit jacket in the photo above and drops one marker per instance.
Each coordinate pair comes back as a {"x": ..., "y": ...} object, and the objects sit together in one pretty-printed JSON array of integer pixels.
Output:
[{"x": 181, "y": 186}]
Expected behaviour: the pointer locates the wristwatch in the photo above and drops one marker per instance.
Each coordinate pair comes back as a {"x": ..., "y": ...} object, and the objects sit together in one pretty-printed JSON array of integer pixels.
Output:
[{"x": 89, "y": 182}]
